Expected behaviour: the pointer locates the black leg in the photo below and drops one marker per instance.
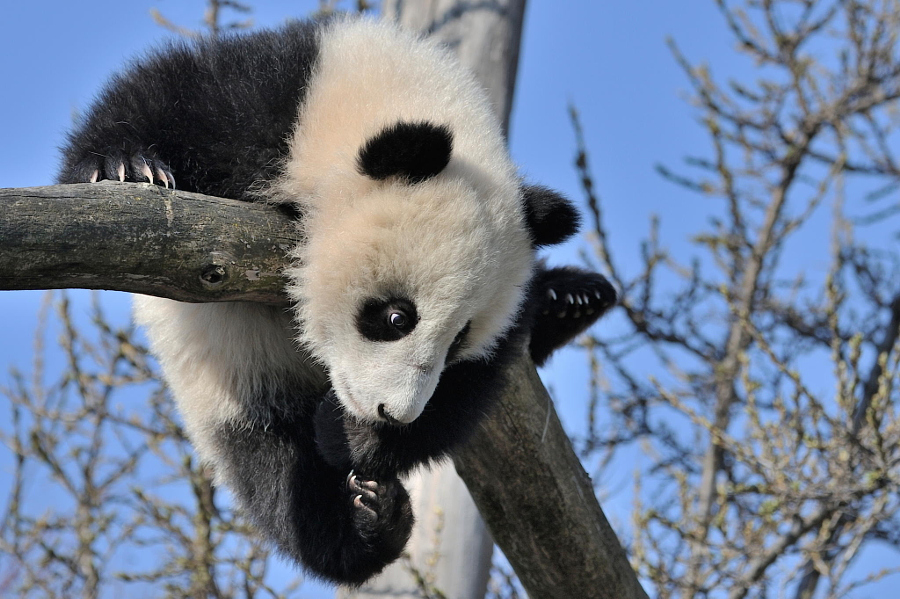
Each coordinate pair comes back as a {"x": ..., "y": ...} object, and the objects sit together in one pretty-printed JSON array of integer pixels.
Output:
[{"x": 341, "y": 526}]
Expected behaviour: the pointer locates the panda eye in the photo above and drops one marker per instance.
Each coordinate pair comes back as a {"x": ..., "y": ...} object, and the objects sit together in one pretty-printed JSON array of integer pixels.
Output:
[
  {"x": 386, "y": 319},
  {"x": 398, "y": 319}
]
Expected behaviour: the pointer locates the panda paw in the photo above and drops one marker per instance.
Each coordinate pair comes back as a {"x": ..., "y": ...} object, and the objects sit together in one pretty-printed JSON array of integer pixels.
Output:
[
  {"x": 566, "y": 301},
  {"x": 116, "y": 165},
  {"x": 381, "y": 510}
]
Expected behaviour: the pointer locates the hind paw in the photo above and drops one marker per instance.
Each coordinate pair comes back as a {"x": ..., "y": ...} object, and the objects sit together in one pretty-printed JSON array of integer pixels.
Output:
[
  {"x": 567, "y": 301},
  {"x": 139, "y": 167}
]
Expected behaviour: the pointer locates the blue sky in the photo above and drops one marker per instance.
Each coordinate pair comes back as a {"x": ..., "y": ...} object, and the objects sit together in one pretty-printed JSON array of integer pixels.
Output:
[{"x": 607, "y": 58}]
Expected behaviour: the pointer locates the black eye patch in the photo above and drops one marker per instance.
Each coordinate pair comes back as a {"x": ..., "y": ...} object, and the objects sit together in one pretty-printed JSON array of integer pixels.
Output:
[
  {"x": 386, "y": 319},
  {"x": 458, "y": 342},
  {"x": 414, "y": 151}
]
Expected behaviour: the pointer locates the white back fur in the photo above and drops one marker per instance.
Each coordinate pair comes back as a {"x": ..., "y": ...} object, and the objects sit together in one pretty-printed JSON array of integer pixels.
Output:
[{"x": 217, "y": 356}]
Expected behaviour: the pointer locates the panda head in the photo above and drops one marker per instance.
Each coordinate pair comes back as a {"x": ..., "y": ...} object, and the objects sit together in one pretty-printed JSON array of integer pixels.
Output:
[{"x": 416, "y": 260}]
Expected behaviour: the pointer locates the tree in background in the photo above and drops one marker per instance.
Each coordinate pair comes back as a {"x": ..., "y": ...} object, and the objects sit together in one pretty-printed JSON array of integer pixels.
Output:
[
  {"x": 763, "y": 374},
  {"x": 123, "y": 503}
]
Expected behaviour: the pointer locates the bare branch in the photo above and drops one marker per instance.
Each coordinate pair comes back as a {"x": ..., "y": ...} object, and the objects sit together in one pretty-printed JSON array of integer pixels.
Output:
[{"x": 144, "y": 239}]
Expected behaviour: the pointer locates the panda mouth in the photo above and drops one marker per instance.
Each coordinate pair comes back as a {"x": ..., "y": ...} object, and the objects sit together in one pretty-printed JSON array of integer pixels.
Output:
[
  {"x": 387, "y": 417},
  {"x": 357, "y": 407}
]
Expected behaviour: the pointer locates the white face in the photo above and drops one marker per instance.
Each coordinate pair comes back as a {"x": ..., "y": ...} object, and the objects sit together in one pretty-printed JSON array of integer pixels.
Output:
[
  {"x": 409, "y": 280},
  {"x": 390, "y": 368}
]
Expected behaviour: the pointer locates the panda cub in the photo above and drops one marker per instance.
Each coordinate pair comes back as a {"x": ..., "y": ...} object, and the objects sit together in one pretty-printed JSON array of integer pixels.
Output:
[{"x": 415, "y": 285}]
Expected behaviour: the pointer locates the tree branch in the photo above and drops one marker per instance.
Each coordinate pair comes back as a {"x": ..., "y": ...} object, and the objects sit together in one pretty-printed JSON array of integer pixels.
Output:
[
  {"x": 538, "y": 501},
  {"x": 142, "y": 238}
]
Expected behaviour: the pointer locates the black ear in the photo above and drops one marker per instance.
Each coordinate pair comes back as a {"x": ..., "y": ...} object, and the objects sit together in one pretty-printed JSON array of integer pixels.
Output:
[
  {"x": 551, "y": 218},
  {"x": 414, "y": 151}
]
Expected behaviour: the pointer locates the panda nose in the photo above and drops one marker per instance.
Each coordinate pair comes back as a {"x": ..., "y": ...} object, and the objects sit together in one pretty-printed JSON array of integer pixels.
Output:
[{"x": 390, "y": 419}]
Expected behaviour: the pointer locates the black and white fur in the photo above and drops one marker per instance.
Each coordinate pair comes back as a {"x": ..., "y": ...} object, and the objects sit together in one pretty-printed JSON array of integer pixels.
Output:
[{"x": 414, "y": 287}]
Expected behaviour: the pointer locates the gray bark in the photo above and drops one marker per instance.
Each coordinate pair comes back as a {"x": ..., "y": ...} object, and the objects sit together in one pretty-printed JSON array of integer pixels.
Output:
[
  {"x": 485, "y": 36},
  {"x": 539, "y": 502},
  {"x": 142, "y": 238}
]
